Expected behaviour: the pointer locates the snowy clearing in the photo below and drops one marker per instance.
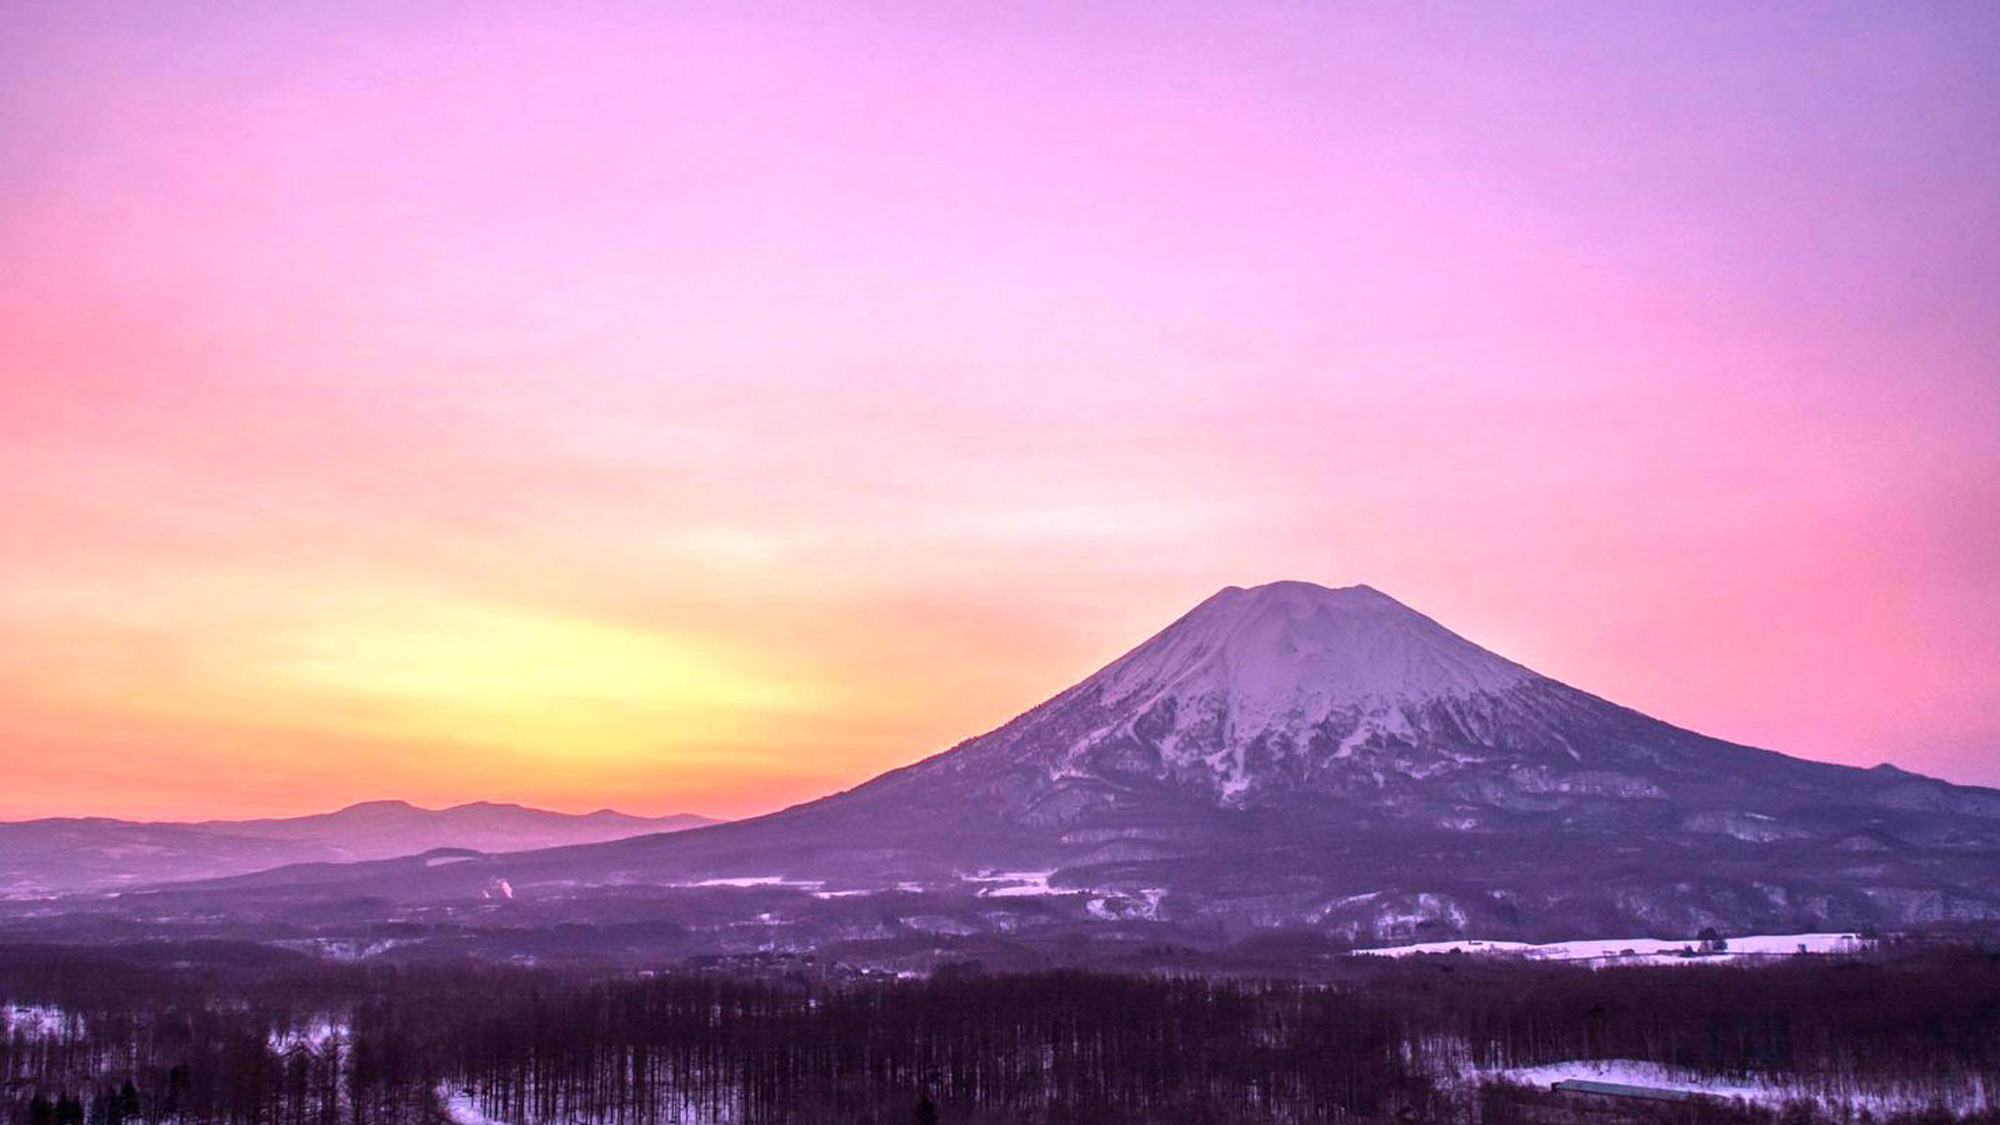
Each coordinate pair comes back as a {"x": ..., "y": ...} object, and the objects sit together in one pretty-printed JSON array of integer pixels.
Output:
[
  {"x": 460, "y": 1108},
  {"x": 43, "y": 1022},
  {"x": 1015, "y": 884},
  {"x": 1638, "y": 951},
  {"x": 1972, "y": 1094}
]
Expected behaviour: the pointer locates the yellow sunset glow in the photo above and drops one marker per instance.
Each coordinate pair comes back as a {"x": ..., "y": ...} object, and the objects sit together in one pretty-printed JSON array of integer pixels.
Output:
[{"x": 530, "y": 681}]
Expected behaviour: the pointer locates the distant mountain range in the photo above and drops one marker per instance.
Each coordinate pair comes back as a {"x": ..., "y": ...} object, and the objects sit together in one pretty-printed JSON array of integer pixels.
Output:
[
  {"x": 73, "y": 854},
  {"x": 1282, "y": 758}
]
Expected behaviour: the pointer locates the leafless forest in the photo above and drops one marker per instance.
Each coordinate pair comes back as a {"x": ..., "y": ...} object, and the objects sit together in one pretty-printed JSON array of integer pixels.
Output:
[{"x": 235, "y": 1036}]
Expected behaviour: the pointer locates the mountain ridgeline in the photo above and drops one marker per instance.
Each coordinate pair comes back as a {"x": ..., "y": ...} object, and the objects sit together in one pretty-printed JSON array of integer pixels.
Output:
[
  {"x": 80, "y": 854},
  {"x": 1284, "y": 757}
]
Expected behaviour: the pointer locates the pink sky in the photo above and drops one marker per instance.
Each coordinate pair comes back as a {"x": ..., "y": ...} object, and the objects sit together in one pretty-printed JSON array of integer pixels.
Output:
[{"x": 706, "y": 406}]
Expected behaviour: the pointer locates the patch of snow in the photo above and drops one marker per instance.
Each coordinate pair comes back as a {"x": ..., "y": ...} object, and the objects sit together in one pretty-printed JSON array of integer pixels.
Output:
[
  {"x": 461, "y": 1108},
  {"x": 760, "y": 881},
  {"x": 346, "y": 949},
  {"x": 939, "y": 924},
  {"x": 1970, "y": 1097},
  {"x": 40, "y": 1022},
  {"x": 1023, "y": 891},
  {"x": 1354, "y": 739},
  {"x": 1631, "y": 1072},
  {"x": 316, "y": 1037},
  {"x": 1014, "y": 884},
  {"x": 1125, "y": 906},
  {"x": 1638, "y": 951},
  {"x": 1327, "y": 910},
  {"x": 1423, "y": 907}
]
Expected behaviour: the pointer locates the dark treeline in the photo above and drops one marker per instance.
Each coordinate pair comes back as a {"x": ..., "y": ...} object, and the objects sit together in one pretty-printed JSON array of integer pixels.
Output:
[{"x": 103, "y": 1038}]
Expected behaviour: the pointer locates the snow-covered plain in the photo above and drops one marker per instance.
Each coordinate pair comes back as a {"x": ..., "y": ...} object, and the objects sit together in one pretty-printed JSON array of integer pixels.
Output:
[
  {"x": 1970, "y": 1094},
  {"x": 1638, "y": 951}
]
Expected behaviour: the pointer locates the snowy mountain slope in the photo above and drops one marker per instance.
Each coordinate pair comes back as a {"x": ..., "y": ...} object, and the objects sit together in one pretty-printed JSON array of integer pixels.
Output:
[
  {"x": 1297, "y": 695},
  {"x": 1296, "y": 756}
]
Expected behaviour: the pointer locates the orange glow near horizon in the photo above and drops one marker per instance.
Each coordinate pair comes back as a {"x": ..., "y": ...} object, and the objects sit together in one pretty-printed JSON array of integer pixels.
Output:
[{"x": 537, "y": 402}]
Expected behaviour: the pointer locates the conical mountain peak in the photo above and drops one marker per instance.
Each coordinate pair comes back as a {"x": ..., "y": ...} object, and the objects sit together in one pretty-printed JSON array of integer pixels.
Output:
[
  {"x": 1300, "y": 647},
  {"x": 1291, "y": 755}
]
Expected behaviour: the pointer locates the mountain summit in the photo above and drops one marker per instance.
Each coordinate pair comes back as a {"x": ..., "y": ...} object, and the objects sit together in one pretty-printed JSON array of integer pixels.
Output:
[
  {"x": 1299, "y": 695},
  {"x": 1297, "y": 648},
  {"x": 1253, "y": 675},
  {"x": 1291, "y": 755}
]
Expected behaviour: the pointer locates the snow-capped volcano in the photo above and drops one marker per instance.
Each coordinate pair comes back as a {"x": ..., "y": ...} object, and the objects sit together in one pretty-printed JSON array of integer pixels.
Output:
[
  {"x": 1292, "y": 649},
  {"x": 1295, "y": 752},
  {"x": 1294, "y": 755},
  {"x": 1294, "y": 692},
  {"x": 1259, "y": 672}
]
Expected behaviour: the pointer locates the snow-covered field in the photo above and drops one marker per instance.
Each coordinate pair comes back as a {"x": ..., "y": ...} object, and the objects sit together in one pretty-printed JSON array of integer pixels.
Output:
[
  {"x": 461, "y": 1107},
  {"x": 1970, "y": 1094},
  {"x": 1015, "y": 884},
  {"x": 39, "y": 1022},
  {"x": 1638, "y": 951}
]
